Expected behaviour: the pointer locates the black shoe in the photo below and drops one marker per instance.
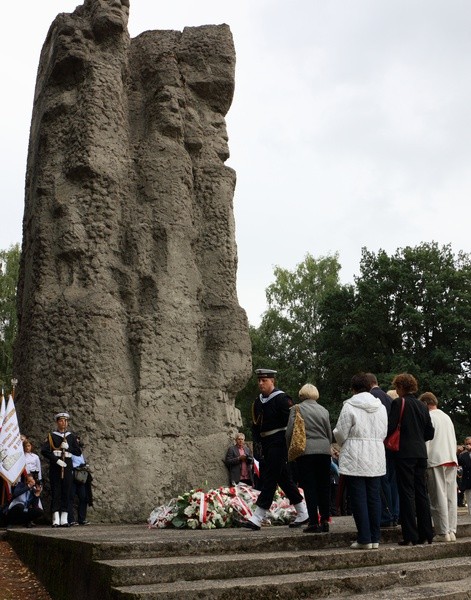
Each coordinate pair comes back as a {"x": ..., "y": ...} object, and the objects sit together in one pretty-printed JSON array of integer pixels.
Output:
[
  {"x": 84, "y": 523},
  {"x": 250, "y": 525},
  {"x": 299, "y": 523},
  {"x": 30, "y": 525},
  {"x": 389, "y": 525},
  {"x": 312, "y": 529},
  {"x": 424, "y": 541},
  {"x": 417, "y": 543},
  {"x": 325, "y": 527}
]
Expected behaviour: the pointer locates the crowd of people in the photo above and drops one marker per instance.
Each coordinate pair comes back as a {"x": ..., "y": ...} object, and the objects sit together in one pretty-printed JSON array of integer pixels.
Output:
[
  {"x": 350, "y": 470},
  {"x": 347, "y": 470},
  {"x": 69, "y": 480}
]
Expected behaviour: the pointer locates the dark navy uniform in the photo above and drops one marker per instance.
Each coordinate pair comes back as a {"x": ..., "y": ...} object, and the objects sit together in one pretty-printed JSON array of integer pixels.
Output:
[
  {"x": 61, "y": 478},
  {"x": 270, "y": 418}
]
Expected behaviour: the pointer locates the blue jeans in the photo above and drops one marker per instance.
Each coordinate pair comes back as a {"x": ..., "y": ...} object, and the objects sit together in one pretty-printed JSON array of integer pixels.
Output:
[{"x": 365, "y": 500}]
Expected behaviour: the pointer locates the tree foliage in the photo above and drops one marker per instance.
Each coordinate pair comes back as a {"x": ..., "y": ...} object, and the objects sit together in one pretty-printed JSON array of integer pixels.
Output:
[
  {"x": 9, "y": 267},
  {"x": 410, "y": 311},
  {"x": 407, "y": 312},
  {"x": 286, "y": 339}
]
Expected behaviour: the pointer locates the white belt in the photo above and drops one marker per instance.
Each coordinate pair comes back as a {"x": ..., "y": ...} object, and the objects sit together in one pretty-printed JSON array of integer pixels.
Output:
[
  {"x": 271, "y": 432},
  {"x": 59, "y": 453}
]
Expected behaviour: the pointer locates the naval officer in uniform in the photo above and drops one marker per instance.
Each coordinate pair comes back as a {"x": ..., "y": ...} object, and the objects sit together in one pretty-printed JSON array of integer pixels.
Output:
[
  {"x": 58, "y": 449},
  {"x": 270, "y": 413}
]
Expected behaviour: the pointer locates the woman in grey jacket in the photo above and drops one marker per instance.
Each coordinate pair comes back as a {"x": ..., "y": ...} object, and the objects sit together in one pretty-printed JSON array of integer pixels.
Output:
[{"x": 314, "y": 465}]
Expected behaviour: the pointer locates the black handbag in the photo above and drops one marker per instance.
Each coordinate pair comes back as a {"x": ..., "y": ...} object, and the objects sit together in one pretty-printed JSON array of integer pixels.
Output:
[{"x": 81, "y": 474}]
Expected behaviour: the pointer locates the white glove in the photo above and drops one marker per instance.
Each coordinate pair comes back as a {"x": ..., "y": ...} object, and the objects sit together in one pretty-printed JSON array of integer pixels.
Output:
[
  {"x": 61, "y": 463},
  {"x": 65, "y": 445}
]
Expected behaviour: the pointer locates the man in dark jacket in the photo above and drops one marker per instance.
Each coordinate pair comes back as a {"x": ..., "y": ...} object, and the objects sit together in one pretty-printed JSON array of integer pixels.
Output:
[
  {"x": 270, "y": 413},
  {"x": 24, "y": 506},
  {"x": 389, "y": 493}
]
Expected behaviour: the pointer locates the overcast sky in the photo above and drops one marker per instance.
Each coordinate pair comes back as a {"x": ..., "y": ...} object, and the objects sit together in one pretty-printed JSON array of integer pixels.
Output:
[{"x": 350, "y": 124}]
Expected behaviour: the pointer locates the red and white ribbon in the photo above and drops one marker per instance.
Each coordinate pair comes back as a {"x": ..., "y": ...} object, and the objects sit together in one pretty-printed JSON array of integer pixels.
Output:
[{"x": 203, "y": 507}]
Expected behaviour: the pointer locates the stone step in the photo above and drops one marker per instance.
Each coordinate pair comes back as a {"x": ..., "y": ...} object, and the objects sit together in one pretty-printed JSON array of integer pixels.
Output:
[
  {"x": 226, "y": 541},
  {"x": 446, "y": 590},
  {"x": 131, "y": 562},
  {"x": 144, "y": 571},
  {"x": 171, "y": 542},
  {"x": 335, "y": 582}
]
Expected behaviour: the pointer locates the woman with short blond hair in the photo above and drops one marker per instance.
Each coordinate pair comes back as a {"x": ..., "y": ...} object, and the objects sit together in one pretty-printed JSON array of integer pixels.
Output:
[{"x": 314, "y": 465}]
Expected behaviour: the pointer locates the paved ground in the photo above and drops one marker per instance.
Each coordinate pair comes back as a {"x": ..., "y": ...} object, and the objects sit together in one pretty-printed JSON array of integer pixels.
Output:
[{"x": 16, "y": 582}]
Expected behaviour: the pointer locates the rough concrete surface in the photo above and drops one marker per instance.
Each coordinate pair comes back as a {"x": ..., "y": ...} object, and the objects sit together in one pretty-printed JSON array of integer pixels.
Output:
[{"x": 128, "y": 313}]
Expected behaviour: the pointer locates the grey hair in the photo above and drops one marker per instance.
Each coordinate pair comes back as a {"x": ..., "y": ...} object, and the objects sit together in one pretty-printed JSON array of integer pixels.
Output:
[{"x": 309, "y": 391}]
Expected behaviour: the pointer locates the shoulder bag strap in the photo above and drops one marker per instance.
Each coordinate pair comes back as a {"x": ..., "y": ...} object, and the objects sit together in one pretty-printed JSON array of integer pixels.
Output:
[{"x": 402, "y": 410}]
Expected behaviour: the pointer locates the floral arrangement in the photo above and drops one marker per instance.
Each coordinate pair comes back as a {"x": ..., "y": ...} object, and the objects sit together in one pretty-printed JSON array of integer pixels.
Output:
[{"x": 217, "y": 508}]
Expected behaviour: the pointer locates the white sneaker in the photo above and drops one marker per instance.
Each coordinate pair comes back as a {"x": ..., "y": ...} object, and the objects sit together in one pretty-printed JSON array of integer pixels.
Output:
[
  {"x": 374, "y": 545},
  {"x": 358, "y": 546},
  {"x": 442, "y": 538},
  {"x": 452, "y": 536}
]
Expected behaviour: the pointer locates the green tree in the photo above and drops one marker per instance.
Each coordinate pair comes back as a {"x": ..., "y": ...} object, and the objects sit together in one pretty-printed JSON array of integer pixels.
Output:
[
  {"x": 286, "y": 339},
  {"x": 408, "y": 312},
  {"x": 340, "y": 346},
  {"x": 9, "y": 267}
]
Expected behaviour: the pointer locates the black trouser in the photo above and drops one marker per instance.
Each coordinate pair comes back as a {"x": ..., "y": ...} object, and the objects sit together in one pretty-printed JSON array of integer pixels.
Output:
[
  {"x": 18, "y": 516},
  {"x": 61, "y": 486},
  {"x": 79, "y": 490},
  {"x": 416, "y": 520},
  {"x": 314, "y": 477},
  {"x": 275, "y": 471}
]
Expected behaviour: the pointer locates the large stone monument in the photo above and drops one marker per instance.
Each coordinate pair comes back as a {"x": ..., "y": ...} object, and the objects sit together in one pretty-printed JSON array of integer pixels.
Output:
[{"x": 128, "y": 313}]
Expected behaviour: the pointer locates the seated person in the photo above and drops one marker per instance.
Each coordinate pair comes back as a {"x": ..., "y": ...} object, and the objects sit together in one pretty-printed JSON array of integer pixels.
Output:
[
  {"x": 24, "y": 507},
  {"x": 239, "y": 461}
]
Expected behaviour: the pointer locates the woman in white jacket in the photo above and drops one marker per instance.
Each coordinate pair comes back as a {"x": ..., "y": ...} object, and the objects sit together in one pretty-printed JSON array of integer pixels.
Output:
[{"x": 360, "y": 431}]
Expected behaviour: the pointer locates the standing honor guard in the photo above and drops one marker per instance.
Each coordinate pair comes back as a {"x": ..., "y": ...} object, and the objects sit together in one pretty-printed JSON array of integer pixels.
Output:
[{"x": 58, "y": 448}]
